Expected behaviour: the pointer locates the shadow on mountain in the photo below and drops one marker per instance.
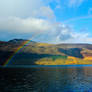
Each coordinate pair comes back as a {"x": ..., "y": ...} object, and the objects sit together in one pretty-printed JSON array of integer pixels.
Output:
[
  {"x": 75, "y": 52},
  {"x": 26, "y": 58},
  {"x": 22, "y": 58},
  {"x": 4, "y": 56}
]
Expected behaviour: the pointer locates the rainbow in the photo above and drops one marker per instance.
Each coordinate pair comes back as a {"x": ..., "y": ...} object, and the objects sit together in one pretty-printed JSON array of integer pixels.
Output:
[
  {"x": 26, "y": 42},
  {"x": 17, "y": 50}
]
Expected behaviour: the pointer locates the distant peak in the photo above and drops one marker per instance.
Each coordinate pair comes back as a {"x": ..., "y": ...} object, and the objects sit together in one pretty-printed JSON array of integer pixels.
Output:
[{"x": 18, "y": 40}]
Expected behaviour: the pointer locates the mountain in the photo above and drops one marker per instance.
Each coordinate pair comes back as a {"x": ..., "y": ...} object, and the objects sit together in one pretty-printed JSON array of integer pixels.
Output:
[{"x": 32, "y": 53}]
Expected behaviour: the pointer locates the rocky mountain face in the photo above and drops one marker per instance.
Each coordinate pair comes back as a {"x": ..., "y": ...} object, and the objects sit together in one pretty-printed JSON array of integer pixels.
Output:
[{"x": 41, "y": 53}]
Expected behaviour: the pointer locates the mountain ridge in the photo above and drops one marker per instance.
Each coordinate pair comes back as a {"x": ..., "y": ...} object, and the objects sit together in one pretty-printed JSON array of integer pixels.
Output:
[{"x": 45, "y": 54}]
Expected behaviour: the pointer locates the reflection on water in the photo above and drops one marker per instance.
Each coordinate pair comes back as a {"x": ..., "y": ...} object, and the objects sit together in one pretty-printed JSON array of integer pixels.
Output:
[{"x": 46, "y": 79}]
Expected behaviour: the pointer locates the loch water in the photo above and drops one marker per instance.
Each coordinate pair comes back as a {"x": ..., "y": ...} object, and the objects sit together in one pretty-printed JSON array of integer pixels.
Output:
[{"x": 46, "y": 79}]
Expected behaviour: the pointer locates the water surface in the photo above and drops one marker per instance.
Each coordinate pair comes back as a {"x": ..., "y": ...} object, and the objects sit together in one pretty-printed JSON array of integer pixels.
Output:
[{"x": 46, "y": 79}]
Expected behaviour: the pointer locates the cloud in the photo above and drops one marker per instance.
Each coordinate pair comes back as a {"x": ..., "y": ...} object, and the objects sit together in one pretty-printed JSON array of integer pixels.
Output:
[
  {"x": 25, "y": 8},
  {"x": 19, "y": 8},
  {"x": 45, "y": 31},
  {"x": 75, "y": 3},
  {"x": 25, "y": 18},
  {"x": 58, "y": 7},
  {"x": 45, "y": 12},
  {"x": 20, "y": 25},
  {"x": 78, "y": 18}
]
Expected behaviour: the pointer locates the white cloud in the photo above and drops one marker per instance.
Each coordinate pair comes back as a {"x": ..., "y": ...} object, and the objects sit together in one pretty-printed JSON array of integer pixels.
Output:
[
  {"x": 45, "y": 30},
  {"x": 25, "y": 8},
  {"x": 19, "y": 8},
  {"x": 45, "y": 12},
  {"x": 15, "y": 24},
  {"x": 75, "y": 3},
  {"x": 34, "y": 16},
  {"x": 58, "y": 7}
]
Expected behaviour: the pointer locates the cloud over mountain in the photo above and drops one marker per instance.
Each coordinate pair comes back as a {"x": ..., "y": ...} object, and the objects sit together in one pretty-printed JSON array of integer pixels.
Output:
[
  {"x": 45, "y": 30},
  {"x": 26, "y": 18}
]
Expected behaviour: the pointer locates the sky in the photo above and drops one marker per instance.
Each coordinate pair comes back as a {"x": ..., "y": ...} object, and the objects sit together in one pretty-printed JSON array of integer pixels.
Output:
[{"x": 48, "y": 21}]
